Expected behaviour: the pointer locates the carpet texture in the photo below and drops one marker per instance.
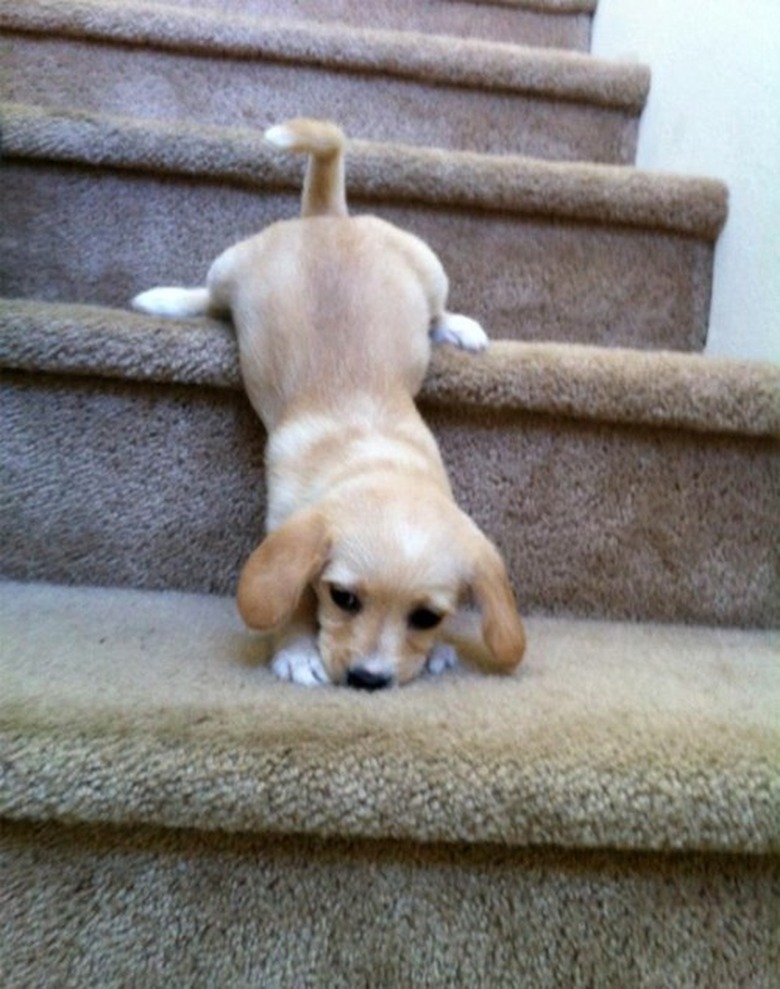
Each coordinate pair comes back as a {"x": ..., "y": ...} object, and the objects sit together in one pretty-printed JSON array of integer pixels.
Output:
[
  {"x": 130, "y": 707},
  {"x": 616, "y": 483},
  {"x": 662, "y": 469},
  {"x": 608, "y": 384},
  {"x": 588, "y": 254},
  {"x": 493, "y": 184},
  {"x": 214, "y": 68},
  {"x": 137, "y": 906},
  {"x": 541, "y": 23},
  {"x": 173, "y": 815}
]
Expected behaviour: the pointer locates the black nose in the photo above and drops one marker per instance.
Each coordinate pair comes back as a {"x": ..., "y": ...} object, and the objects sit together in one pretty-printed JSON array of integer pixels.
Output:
[{"x": 366, "y": 680}]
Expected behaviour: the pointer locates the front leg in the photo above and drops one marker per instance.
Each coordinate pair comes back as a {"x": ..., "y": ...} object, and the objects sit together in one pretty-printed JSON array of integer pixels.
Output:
[{"x": 459, "y": 331}]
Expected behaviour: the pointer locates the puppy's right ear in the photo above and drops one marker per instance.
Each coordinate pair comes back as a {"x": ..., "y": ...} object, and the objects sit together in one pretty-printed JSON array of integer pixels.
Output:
[
  {"x": 502, "y": 627},
  {"x": 277, "y": 573},
  {"x": 488, "y": 585}
]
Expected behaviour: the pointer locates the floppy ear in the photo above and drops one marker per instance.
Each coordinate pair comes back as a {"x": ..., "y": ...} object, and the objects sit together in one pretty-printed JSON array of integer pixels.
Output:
[
  {"x": 276, "y": 574},
  {"x": 502, "y": 629}
]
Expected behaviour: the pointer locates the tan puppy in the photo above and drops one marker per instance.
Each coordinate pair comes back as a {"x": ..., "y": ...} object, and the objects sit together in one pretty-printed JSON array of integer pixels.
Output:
[{"x": 367, "y": 553}]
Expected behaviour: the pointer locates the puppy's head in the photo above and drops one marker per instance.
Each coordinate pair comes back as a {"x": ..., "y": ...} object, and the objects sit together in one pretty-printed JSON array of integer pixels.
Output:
[{"x": 378, "y": 577}]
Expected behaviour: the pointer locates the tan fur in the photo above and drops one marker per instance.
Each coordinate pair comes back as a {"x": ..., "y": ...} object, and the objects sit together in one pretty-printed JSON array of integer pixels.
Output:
[{"x": 333, "y": 315}]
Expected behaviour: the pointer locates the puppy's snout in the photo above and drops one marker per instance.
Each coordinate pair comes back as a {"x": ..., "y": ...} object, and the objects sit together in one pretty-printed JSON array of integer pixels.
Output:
[{"x": 363, "y": 679}]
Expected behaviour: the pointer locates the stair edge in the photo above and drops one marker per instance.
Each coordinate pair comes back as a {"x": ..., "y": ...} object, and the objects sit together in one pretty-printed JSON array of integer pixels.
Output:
[
  {"x": 602, "y": 194},
  {"x": 443, "y": 60},
  {"x": 661, "y": 389},
  {"x": 170, "y": 760}
]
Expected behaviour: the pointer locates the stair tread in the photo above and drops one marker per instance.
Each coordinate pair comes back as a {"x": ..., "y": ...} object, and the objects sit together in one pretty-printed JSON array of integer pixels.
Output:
[
  {"x": 657, "y": 388},
  {"x": 548, "y": 23},
  {"x": 139, "y": 707},
  {"x": 609, "y": 194},
  {"x": 438, "y": 59},
  {"x": 595, "y": 254}
]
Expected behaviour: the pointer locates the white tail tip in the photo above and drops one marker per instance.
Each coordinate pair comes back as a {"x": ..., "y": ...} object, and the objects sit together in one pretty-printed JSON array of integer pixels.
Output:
[
  {"x": 280, "y": 137},
  {"x": 303, "y": 134}
]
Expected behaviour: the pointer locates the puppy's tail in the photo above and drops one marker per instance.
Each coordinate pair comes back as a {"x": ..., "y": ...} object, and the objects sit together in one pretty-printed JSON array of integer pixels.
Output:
[{"x": 324, "y": 192}]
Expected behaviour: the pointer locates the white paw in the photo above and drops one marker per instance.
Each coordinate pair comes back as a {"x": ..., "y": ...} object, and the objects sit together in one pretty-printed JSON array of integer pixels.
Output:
[
  {"x": 299, "y": 662},
  {"x": 441, "y": 658},
  {"x": 172, "y": 301},
  {"x": 459, "y": 331}
]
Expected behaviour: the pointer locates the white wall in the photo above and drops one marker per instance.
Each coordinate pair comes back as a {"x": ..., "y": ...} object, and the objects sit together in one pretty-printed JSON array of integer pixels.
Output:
[{"x": 714, "y": 109}]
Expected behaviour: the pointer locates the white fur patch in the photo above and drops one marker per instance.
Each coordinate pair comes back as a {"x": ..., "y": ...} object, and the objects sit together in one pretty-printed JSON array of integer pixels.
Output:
[
  {"x": 291, "y": 441},
  {"x": 338, "y": 572},
  {"x": 459, "y": 331},
  {"x": 411, "y": 538},
  {"x": 292, "y": 446},
  {"x": 372, "y": 448},
  {"x": 378, "y": 665},
  {"x": 287, "y": 451},
  {"x": 173, "y": 302},
  {"x": 299, "y": 662}
]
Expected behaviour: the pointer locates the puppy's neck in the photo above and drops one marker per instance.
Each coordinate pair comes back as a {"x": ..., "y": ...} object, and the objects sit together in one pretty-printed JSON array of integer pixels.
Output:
[{"x": 322, "y": 447}]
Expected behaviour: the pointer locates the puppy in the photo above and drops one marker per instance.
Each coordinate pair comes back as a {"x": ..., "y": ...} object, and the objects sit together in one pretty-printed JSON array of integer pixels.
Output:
[{"x": 367, "y": 553}]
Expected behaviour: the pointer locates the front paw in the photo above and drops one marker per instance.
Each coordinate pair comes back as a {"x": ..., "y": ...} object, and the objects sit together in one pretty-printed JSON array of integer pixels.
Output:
[
  {"x": 441, "y": 658},
  {"x": 299, "y": 661},
  {"x": 459, "y": 331}
]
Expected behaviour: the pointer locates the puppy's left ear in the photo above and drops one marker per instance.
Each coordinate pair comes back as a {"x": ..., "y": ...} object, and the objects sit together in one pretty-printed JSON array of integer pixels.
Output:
[
  {"x": 277, "y": 573},
  {"x": 502, "y": 628}
]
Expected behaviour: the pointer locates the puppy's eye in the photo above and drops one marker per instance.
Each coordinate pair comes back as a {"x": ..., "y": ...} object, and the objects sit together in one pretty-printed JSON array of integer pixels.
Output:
[
  {"x": 345, "y": 600},
  {"x": 423, "y": 618}
]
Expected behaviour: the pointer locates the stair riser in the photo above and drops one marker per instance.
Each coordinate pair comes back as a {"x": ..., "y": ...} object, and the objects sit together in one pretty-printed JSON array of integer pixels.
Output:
[
  {"x": 488, "y": 21},
  {"x": 83, "y": 235},
  {"x": 597, "y": 919},
  {"x": 259, "y": 92},
  {"x": 161, "y": 486}
]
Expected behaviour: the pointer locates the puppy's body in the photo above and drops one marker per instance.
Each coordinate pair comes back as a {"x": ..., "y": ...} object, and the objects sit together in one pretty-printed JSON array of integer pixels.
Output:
[
  {"x": 367, "y": 552},
  {"x": 341, "y": 350}
]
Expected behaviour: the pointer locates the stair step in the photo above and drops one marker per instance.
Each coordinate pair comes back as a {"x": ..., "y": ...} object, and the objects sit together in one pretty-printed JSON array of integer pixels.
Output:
[
  {"x": 667, "y": 390},
  {"x": 544, "y": 23},
  {"x": 171, "y": 62},
  {"x": 120, "y": 709},
  {"x": 99, "y": 208},
  {"x": 155, "y": 708},
  {"x": 617, "y": 483}
]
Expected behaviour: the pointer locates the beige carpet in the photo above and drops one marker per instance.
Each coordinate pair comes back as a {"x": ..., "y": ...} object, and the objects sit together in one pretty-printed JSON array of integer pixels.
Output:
[
  {"x": 587, "y": 253},
  {"x": 443, "y": 799},
  {"x": 171, "y": 814},
  {"x": 617, "y": 483},
  {"x": 541, "y": 23},
  {"x": 130, "y": 707},
  {"x": 159, "y": 907},
  {"x": 221, "y": 69},
  {"x": 615, "y": 385}
]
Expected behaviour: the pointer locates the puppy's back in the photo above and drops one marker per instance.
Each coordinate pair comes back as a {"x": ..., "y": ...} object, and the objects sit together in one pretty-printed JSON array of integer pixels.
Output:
[{"x": 330, "y": 306}]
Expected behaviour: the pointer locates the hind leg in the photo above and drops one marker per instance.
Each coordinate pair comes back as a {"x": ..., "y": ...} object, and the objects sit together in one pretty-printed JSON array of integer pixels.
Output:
[
  {"x": 176, "y": 302},
  {"x": 445, "y": 327}
]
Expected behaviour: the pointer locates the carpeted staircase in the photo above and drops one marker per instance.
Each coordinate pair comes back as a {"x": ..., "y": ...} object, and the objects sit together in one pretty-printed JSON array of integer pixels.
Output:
[{"x": 171, "y": 815}]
